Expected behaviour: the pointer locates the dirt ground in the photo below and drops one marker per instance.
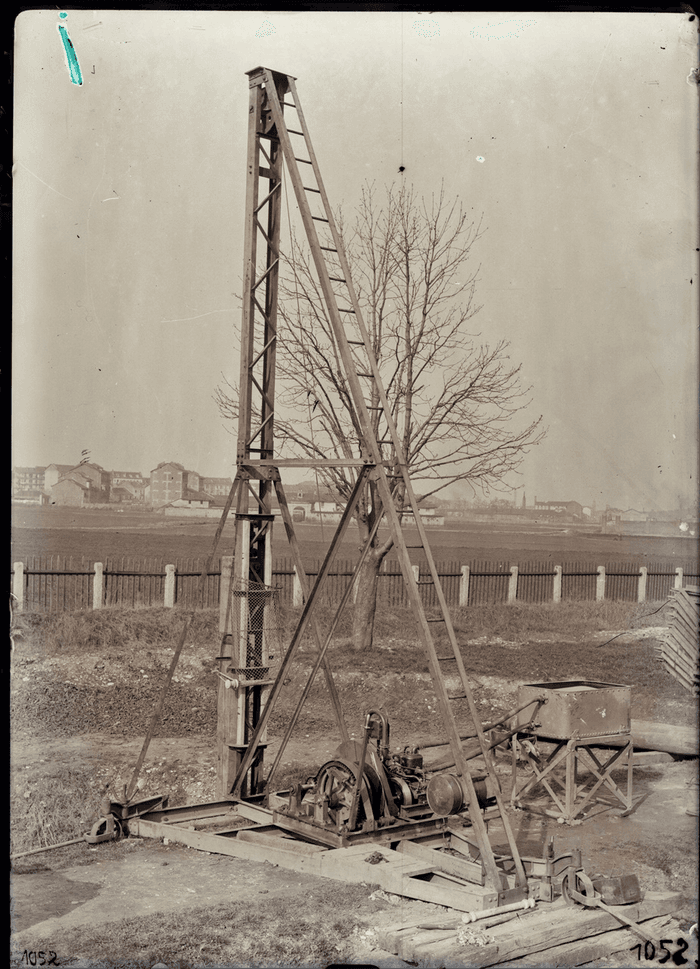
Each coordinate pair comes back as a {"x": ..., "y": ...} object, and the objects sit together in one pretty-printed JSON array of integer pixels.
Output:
[{"x": 90, "y": 885}]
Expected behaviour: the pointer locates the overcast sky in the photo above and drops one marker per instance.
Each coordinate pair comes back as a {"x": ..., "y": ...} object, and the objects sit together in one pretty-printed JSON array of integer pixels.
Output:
[{"x": 574, "y": 134}]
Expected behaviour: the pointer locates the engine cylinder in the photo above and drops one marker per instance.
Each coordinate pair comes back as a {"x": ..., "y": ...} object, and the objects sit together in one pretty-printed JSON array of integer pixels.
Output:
[{"x": 447, "y": 794}]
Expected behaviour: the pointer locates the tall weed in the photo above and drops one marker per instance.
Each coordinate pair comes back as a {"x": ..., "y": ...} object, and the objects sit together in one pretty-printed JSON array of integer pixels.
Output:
[
  {"x": 51, "y": 808},
  {"x": 116, "y": 627}
]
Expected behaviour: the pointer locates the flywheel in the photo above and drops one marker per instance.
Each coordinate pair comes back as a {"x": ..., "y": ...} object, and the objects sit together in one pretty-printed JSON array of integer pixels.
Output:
[{"x": 335, "y": 781}]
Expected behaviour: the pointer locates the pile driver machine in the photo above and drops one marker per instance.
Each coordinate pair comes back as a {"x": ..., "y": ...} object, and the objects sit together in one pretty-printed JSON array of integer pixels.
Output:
[{"x": 367, "y": 793}]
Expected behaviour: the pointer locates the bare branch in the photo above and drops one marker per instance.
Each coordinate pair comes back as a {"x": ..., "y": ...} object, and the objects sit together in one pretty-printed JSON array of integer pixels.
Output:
[{"x": 457, "y": 403}]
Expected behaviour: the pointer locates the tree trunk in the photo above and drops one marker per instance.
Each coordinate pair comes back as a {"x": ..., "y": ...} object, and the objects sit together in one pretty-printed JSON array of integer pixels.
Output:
[{"x": 365, "y": 605}]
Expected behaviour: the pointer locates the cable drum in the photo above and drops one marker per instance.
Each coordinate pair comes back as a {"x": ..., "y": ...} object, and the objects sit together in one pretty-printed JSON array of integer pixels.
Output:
[{"x": 447, "y": 794}]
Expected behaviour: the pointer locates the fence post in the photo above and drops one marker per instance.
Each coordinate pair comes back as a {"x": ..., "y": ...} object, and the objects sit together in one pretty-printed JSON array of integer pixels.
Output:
[
  {"x": 464, "y": 586},
  {"x": 225, "y": 593},
  {"x": 297, "y": 594},
  {"x": 18, "y": 585},
  {"x": 416, "y": 572},
  {"x": 169, "y": 586},
  {"x": 558, "y": 570},
  {"x": 678, "y": 582},
  {"x": 513, "y": 583},
  {"x": 642, "y": 584},
  {"x": 600, "y": 584},
  {"x": 98, "y": 586}
]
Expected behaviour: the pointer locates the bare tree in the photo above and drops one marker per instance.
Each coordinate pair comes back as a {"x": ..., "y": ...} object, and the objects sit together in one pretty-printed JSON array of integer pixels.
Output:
[{"x": 457, "y": 404}]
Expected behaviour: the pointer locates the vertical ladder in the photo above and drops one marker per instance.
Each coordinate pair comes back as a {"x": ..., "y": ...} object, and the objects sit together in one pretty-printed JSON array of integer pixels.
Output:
[{"x": 354, "y": 347}]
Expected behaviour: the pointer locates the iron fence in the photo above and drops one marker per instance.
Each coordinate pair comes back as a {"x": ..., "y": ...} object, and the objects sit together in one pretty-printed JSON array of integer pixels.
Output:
[{"x": 55, "y": 584}]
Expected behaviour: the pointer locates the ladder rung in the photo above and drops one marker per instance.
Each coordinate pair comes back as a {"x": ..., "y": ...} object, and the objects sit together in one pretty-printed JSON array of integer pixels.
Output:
[
  {"x": 344, "y": 309},
  {"x": 357, "y": 343},
  {"x": 336, "y": 279},
  {"x": 319, "y": 218},
  {"x": 360, "y": 374},
  {"x": 375, "y": 408},
  {"x": 291, "y": 131},
  {"x": 437, "y": 620},
  {"x": 328, "y": 248},
  {"x": 290, "y": 104},
  {"x": 427, "y": 582},
  {"x": 307, "y": 188},
  {"x": 457, "y": 696},
  {"x": 446, "y": 659},
  {"x": 304, "y": 160}
]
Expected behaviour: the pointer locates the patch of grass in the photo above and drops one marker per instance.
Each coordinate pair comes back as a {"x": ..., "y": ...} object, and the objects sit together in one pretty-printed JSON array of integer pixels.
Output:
[
  {"x": 125, "y": 629},
  {"x": 570, "y": 619},
  {"x": 53, "y": 807},
  {"x": 277, "y": 931},
  {"x": 117, "y": 628}
]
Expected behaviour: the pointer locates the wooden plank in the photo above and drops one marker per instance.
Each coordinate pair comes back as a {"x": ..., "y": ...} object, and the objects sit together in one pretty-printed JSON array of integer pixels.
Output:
[
  {"x": 253, "y": 812},
  {"x": 672, "y": 649},
  {"x": 583, "y": 951},
  {"x": 646, "y": 735},
  {"x": 470, "y": 870},
  {"x": 686, "y": 621},
  {"x": 664, "y": 736},
  {"x": 463, "y": 898},
  {"x": 643, "y": 758},
  {"x": 678, "y": 640},
  {"x": 399, "y": 875},
  {"x": 274, "y": 840},
  {"x": 204, "y": 841},
  {"x": 551, "y": 925},
  {"x": 677, "y": 663}
]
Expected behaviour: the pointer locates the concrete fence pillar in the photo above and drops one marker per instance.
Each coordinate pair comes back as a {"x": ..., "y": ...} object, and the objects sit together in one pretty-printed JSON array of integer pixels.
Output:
[
  {"x": 169, "y": 586},
  {"x": 464, "y": 586},
  {"x": 297, "y": 593},
  {"x": 642, "y": 584},
  {"x": 678, "y": 582},
  {"x": 225, "y": 594},
  {"x": 416, "y": 572},
  {"x": 98, "y": 586},
  {"x": 513, "y": 584},
  {"x": 558, "y": 570},
  {"x": 600, "y": 584},
  {"x": 18, "y": 585}
]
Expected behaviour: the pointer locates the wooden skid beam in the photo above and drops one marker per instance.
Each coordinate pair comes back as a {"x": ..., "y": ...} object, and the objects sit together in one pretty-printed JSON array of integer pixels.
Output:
[
  {"x": 584, "y": 951},
  {"x": 397, "y": 873},
  {"x": 550, "y": 925},
  {"x": 232, "y": 846}
]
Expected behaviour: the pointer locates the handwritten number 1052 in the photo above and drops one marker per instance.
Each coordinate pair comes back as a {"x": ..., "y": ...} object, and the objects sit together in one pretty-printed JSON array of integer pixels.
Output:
[
  {"x": 678, "y": 959},
  {"x": 39, "y": 958}
]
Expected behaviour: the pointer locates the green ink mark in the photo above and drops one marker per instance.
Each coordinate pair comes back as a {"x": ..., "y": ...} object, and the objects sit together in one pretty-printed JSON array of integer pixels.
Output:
[{"x": 73, "y": 66}]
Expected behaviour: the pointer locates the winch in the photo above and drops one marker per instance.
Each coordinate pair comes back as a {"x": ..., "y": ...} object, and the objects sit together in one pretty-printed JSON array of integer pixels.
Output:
[{"x": 366, "y": 787}]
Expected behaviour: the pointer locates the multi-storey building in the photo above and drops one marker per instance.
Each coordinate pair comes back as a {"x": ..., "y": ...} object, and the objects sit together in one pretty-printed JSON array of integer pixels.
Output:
[
  {"x": 216, "y": 486},
  {"x": 53, "y": 473},
  {"x": 27, "y": 480},
  {"x": 170, "y": 481},
  {"x": 128, "y": 486},
  {"x": 90, "y": 485}
]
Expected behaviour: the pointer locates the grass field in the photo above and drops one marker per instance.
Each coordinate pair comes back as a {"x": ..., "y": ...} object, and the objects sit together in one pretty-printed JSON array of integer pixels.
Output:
[{"x": 97, "y": 535}]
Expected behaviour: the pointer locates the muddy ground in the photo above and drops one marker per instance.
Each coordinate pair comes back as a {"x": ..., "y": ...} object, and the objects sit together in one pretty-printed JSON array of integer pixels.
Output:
[{"x": 89, "y": 713}]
